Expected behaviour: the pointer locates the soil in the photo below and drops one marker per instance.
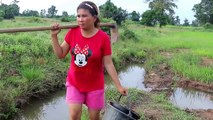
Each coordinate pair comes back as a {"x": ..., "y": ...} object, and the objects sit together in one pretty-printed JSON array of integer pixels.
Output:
[
  {"x": 162, "y": 78},
  {"x": 207, "y": 62},
  {"x": 184, "y": 83},
  {"x": 203, "y": 114}
]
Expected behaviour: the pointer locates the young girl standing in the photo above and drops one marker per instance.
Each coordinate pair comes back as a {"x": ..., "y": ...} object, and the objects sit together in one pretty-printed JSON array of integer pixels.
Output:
[{"x": 90, "y": 49}]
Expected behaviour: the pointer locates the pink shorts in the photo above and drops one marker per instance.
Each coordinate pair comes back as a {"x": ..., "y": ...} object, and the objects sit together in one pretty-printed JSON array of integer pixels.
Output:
[{"x": 93, "y": 100}]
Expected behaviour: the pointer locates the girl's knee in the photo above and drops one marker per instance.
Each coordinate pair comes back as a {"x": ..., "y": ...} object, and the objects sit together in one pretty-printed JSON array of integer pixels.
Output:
[
  {"x": 94, "y": 114},
  {"x": 75, "y": 116},
  {"x": 75, "y": 112}
]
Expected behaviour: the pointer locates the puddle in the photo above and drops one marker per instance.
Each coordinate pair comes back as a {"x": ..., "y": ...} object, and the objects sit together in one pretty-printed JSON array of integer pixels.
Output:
[
  {"x": 133, "y": 77},
  {"x": 183, "y": 99},
  {"x": 55, "y": 107},
  {"x": 52, "y": 108}
]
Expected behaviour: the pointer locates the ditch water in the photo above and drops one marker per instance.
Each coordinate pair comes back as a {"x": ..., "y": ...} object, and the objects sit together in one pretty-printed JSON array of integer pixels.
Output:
[
  {"x": 52, "y": 108},
  {"x": 55, "y": 108},
  {"x": 191, "y": 99}
]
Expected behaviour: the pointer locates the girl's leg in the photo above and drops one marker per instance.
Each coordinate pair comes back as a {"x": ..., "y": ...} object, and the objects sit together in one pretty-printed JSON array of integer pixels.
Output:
[
  {"x": 95, "y": 103},
  {"x": 75, "y": 111},
  {"x": 75, "y": 99},
  {"x": 94, "y": 114}
]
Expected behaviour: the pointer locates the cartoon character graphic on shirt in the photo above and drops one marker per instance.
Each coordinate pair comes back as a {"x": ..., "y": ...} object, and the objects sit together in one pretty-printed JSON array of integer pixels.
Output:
[{"x": 81, "y": 55}]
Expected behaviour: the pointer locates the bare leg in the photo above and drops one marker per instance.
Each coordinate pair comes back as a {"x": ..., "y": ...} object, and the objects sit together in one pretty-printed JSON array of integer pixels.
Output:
[
  {"x": 75, "y": 111},
  {"x": 94, "y": 114}
]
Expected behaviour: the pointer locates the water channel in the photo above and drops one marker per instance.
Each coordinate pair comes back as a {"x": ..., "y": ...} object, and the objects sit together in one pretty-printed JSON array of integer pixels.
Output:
[{"x": 55, "y": 108}]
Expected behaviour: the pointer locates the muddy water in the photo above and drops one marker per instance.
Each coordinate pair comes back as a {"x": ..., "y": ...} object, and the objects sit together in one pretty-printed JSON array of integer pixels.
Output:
[
  {"x": 133, "y": 77},
  {"x": 52, "y": 108},
  {"x": 55, "y": 107},
  {"x": 192, "y": 99}
]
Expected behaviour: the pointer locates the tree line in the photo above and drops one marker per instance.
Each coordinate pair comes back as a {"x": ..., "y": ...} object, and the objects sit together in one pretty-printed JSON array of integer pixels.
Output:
[{"x": 161, "y": 13}]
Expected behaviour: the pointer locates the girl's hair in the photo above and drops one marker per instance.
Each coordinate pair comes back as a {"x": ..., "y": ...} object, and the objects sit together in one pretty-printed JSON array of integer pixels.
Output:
[{"x": 88, "y": 5}]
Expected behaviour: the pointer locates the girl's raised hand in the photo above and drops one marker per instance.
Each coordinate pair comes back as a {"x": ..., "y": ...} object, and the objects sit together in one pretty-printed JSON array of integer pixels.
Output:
[{"x": 55, "y": 29}]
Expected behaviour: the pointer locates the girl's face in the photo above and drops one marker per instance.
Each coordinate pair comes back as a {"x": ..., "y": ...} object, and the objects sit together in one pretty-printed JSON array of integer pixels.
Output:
[{"x": 85, "y": 19}]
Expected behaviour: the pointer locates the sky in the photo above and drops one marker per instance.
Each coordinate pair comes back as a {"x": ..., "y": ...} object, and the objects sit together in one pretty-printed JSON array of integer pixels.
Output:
[{"x": 184, "y": 9}]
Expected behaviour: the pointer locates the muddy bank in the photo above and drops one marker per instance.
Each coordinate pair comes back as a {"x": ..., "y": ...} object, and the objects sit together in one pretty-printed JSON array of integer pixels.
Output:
[
  {"x": 159, "y": 78},
  {"x": 204, "y": 114},
  {"x": 9, "y": 109},
  {"x": 162, "y": 78},
  {"x": 196, "y": 85},
  {"x": 181, "y": 81}
]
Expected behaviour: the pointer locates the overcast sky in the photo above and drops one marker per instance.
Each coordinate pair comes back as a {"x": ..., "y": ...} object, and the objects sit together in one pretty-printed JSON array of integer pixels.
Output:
[{"x": 184, "y": 9}]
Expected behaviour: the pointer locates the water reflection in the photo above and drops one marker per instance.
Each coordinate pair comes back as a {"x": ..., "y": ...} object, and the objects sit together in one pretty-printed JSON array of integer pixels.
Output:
[
  {"x": 52, "y": 108},
  {"x": 191, "y": 99},
  {"x": 55, "y": 107},
  {"x": 133, "y": 77}
]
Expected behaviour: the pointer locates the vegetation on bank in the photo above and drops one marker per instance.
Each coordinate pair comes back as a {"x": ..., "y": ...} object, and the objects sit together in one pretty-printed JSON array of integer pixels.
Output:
[
  {"x": 29, "y": 68},
  {"x": 184, "y": 49}
]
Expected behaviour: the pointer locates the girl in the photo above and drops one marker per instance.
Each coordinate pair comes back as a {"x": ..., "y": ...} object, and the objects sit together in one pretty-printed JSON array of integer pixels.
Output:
[{"x": 90, "y": 49}]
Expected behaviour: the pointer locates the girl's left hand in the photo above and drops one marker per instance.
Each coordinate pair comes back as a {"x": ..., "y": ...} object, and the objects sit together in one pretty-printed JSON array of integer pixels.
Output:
[{"x": 123, "y": 90}]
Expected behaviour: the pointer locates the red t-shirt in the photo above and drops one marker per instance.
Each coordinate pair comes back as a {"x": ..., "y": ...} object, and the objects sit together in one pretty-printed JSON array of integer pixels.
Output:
[{"x": 86, "y": 70}]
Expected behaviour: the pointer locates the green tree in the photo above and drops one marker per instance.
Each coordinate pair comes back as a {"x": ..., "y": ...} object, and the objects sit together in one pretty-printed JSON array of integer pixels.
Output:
[
  {"x": 65, "y": 14},
  {"x": 15, "y": 9},
  {"x": 204, "y": 11},
  {"x": 163, "y": 9},
  {"x": 8, "y": 11},
  {"x": 43, "y": 13},
  {"x": 120, "y": 16},
  {"x": 177, "y": 20},
  {"x": 1, "y": 14},
  {"x": 186, "y": 22},
  {"x": 30, "y": 13},
  {"x": 148, "y": 18},
  {"x": 195, "y": 23},
  {"x": 52, "y": 11},
  {"x": 171, "y": 19},
  {"x": 109, "y": 10},
  {"x": 1, "y": 11},
  {"x": 134, "y": 16}
]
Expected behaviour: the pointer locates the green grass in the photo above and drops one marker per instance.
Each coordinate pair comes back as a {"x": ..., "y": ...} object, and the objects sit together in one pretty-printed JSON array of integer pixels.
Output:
[
  {"x": 28, "y": 66},
  {"x": 189, "y": 65},
  {"x": 187, "y": 45},
  {"x": 180, "y": 40}
]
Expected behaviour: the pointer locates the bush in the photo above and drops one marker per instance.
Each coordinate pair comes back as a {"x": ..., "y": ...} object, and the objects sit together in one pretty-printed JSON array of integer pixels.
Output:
[
  {"x": 107, "y": 20},
  {"x": 68, "y": 19},
  {"x": 128, "y": 34},
  {"x": 35, "y": 19},
  {"x": 208, "y": 26}
]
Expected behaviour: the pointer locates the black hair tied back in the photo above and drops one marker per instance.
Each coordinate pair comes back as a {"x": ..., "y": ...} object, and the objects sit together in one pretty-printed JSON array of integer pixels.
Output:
[{"x": 89, "y": 6}]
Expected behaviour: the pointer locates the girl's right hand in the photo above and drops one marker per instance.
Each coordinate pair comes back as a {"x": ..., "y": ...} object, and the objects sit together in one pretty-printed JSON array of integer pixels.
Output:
[{"x": 55, "y": 29}]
